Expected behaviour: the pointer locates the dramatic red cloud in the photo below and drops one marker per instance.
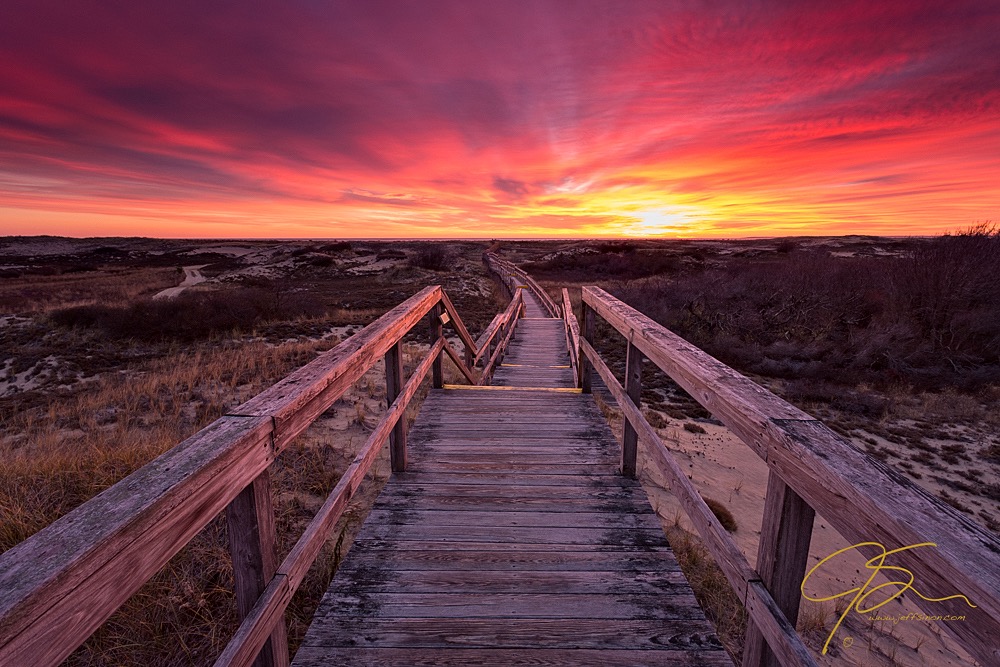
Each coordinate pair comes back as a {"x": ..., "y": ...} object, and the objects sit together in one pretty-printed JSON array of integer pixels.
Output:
[{"x": 459, "y": 119}]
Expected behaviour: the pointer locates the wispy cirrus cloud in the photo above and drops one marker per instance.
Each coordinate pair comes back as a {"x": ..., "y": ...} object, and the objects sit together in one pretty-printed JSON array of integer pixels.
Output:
[{"x": 520, "y": 118}]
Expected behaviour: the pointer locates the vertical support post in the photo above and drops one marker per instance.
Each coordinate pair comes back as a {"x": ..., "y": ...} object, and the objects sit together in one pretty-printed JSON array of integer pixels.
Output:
[
  {"x": 586, "y": 333},
  {"x": 250, "y": 524},
  {"x": 633, "y": 387},
  {"x": 436, "y": 332},
  {"x": 393, "y": 385},
  {"x": 785, "y": 533}
]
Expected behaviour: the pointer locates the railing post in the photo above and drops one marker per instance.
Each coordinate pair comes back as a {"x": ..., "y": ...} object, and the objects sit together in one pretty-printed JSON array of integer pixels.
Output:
[
  {"x": 393, "y": 385},
  {"x": 250, "y": 524},
  {"x": 633, "y": 387},
  {"x": 587, "y": 333},
  {"x": 436, "y": 332},
  {"x": 785, "y": 533}
]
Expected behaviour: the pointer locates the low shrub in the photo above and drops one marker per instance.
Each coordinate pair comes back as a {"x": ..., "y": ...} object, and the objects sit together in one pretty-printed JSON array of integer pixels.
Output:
[
  {"x": 433, "y": 257},
  {"x": 722, "y": 513},
  {"x": 190, "y": 316},
  {"x": 929, "y": 318}
]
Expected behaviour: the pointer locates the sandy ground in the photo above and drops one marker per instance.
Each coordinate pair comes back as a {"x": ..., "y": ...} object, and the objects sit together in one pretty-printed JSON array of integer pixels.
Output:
[
  {"x": 192, "y": 276},
  {"x": 725, "y": 469}
]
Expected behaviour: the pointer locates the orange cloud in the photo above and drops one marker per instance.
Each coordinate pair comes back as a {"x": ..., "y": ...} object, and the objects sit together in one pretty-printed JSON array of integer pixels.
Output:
[{"x": 519, "y": 119}]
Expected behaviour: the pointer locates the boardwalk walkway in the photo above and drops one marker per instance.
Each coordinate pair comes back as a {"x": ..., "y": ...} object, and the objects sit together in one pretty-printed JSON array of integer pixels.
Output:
[{"x": 511, "y": 539}]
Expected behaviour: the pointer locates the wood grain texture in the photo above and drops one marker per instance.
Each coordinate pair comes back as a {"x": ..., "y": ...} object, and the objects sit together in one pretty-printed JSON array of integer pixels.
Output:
[
  {"x": 862, "y": 498},
  {"x": 633, "y": 390},
  {"x": 436, "y": 333},
  {"x": 765, "y": 613},
  {"x": 477, "y": 657},
  {"x": 250, "y": 528},
  {"x": 270, "y": 606},
  {"x": 782, "y": 556},
  {"x": 511, "y": 539},
  {"x": 510, "y": 317},
  {"x": 59, "y": 585}
]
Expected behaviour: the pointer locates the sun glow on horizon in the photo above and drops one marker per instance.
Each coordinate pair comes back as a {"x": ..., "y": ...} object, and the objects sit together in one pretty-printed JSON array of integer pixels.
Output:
[{"x": 466, "y": 120}]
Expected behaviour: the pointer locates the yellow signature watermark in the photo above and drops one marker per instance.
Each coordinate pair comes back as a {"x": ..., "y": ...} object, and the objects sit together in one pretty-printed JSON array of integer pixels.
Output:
[{"x": 862, "y": 593}]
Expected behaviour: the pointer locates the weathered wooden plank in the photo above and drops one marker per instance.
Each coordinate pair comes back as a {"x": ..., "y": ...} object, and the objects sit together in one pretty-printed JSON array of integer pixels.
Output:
[
  {"x": 434, "y": 325},
  {"x": 862, "y": 498},
  {"x": 427, "y": 556},
  {"x": 512, "y": 504},
  {"x": 393, "y": 385},
  {"x": 472, "y": 545},
  {"x": 59, "y": 585},
  {"x": 562, "y": 633},
  {"x": 375, "y": 575},
  {"x": 781, "y": 562},
  {"x": 663, "y": 606},
  {"x": 527, "y": 459},
  {"x": 607, "y": 488},
  {"x": 477, "y": 657},
  {"x": 396, "y": 516},
  {"x": 611, "y": 536},
  {"x": 488, "y": 467},
  {"x": 504, "y": 479},
  {"x": 271, "y": 605},
  {"x": 298, "y": 399},
  {"x": 250, "y": 526}
]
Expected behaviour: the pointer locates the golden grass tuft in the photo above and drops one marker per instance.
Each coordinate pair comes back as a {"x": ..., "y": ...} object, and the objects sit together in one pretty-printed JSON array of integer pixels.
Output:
[{"x": 711, "y": 588}]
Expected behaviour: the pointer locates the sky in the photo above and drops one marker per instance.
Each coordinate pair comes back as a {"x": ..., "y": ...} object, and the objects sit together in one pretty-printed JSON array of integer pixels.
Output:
[{"x": 513, "y": 119}]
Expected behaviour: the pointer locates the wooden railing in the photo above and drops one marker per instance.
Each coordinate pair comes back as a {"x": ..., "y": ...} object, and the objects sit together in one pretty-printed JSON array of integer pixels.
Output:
[
  {"x": 497, "y": 337},
  {"x": 812, "y": 470},
  {"x": 571, "y": 328},
  {"x": 513, "y": 277},
  {"x": 61, "y": 584}
]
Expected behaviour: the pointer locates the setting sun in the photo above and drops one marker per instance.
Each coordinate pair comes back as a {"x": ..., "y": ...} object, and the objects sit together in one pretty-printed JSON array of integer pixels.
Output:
[{"x": 517, "y": 119}]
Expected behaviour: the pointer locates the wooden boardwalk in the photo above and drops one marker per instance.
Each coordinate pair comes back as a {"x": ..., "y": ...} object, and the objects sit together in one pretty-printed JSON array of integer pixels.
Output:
[{"x": 512, "y": 539}]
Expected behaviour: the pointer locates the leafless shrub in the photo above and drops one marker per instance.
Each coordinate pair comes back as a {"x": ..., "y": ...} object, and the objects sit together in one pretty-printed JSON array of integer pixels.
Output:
[{"x": 930, "y": 319}]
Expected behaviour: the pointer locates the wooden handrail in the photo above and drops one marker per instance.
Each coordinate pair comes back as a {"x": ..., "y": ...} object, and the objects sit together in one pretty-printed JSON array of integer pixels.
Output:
[
  {"x": 483, "y": 342},
  {"x": 257, "y": 626},
  {"x": 510, "y": 317},
  {"x": 572, "y": 330},
  {"x": 512, "y": 275},
  {"x": 61, "y": 584},
  {"x": 780, "y": 632},
  {"x": 862, "y": 498}
]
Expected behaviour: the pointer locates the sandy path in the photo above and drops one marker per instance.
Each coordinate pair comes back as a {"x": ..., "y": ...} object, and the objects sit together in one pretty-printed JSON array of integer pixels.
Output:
[{"x": 192, "y": 276}]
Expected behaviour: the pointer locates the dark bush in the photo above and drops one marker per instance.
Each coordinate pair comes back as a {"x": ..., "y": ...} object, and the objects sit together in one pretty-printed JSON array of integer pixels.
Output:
[
  {"x": 336, "y": 246},
  {"x": 190, "y": 316},
  {"x": 610, "y": 262},
  {"x": 433, "y": 257},
  {"x": 930, "y": 318},
  {"x": 722, "y": 513}
]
